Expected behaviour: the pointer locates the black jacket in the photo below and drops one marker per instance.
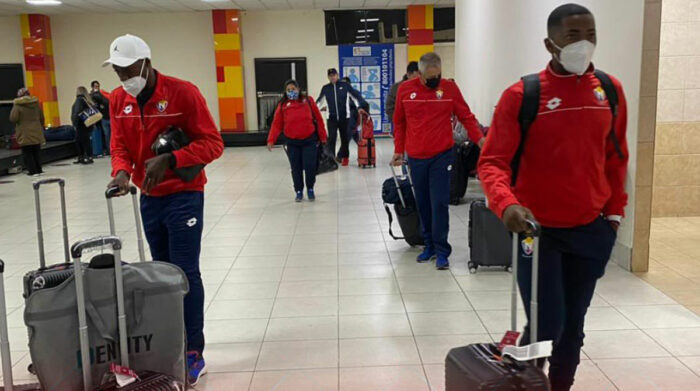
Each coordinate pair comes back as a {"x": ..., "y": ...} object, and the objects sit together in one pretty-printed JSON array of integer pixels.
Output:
[
  {"x": 102, "y": 103},
  {"x": 79, "y": 106},
  {"x": 338, "y": 97}
]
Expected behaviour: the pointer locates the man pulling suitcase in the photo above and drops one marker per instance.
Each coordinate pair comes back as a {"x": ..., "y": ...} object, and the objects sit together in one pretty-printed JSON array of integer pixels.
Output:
[
  {"x": 565, "y": 162},
  {"x": 172, "y": 208}
]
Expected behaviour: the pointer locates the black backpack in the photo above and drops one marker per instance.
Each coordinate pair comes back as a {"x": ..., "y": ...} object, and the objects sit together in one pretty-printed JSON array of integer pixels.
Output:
[{"x": 531, "y": 106}]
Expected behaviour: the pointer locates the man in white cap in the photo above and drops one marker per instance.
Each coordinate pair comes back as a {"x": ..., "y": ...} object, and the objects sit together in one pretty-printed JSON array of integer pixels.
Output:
[{"x": 172, "y": 208}]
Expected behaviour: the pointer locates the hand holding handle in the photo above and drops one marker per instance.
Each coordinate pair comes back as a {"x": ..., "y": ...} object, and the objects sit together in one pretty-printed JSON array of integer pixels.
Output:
[
  {"x": 534, "y": 228},
  {"x": 114, "y": 191}
]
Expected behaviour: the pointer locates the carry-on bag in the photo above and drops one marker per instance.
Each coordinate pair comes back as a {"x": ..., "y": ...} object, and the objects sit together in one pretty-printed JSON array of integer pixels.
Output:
[
  {"x": 8, "y": 384},
  {"x": 406, "y": 210},
  {"x": 325, "y": 162},
  {"x": 74, "y": 345},
  {"x": 490, "y": 367},
  {"x": 48, "y": 276},
  {"x": 488, "y": 238},
  {"x": 366, "y": 146},
  {"x": 145, "y": 381}
]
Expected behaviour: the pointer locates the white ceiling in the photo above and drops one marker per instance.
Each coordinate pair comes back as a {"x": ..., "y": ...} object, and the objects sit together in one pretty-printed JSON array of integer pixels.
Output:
[{"x": 15, "y": 7}]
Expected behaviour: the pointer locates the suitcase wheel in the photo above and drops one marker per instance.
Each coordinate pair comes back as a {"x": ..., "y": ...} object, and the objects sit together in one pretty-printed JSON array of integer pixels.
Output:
[{"x": 472, "y": 267}]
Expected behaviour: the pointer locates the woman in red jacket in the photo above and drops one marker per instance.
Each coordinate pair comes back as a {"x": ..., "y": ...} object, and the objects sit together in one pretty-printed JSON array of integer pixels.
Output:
[{"x": 298, "y": 116}]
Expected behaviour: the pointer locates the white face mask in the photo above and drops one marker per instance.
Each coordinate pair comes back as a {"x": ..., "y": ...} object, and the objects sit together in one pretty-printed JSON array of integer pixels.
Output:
[
  {"x": 576, "y": 57},
  {"x": 136, "y": 84}
]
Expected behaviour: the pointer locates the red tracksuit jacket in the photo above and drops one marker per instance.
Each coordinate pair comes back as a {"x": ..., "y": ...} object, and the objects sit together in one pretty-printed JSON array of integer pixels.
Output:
[
  {"x": 295, "y": 119},
  {"x": 174, "y": 102},
  {"x": 423, "y": 118},
  {"x": 570, "y": 172}
]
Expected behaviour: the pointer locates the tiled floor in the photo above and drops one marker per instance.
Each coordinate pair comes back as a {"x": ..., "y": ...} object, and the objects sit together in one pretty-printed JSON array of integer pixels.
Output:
[{"x": 312, "y": 297}]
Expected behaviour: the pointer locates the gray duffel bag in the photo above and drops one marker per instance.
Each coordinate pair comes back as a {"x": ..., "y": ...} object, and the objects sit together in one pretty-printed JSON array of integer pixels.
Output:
[{"x": 153, "y": 297}]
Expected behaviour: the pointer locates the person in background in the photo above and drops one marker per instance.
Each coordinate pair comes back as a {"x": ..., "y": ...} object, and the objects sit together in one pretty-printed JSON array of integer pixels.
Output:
[
  {"x": 146, "y": 104},
  {"x": 101, "y": 99},
  {"x": 354, "y": 117},
  {"x": 571, "y": 177},
  {"x": 423, "y": 130},
  {"x": 83, "y": 101},
  {"x": 337, "y": 95},
  {"x": 28, "y": 118},
  {"x": 411, "y": 73},
  {"x": 302, "y": 123}
]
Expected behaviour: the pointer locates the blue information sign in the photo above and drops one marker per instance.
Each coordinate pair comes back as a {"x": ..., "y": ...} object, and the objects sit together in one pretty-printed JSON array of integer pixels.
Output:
[{"x": 371, "y": 71}]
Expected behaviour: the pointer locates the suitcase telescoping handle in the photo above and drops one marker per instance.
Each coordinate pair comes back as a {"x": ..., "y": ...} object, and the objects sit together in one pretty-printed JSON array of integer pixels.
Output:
[
  {"x": 396, "y": 180},
  {"x": 4, "y": 339},
  {"x": 64, "y": 220},
  {"x": 77, "y": 252},
  {"x": 534, "y": 231},
  {"x": 113, "y": 192}
]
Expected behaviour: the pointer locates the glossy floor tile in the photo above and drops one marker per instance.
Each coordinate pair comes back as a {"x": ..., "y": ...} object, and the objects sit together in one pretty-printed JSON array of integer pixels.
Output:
[{"x": 317, "y": 296}]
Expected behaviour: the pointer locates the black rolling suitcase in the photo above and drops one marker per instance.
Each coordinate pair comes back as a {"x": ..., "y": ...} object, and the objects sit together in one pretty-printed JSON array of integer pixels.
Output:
[
  {"x": 488, "y": 238},
  {"x": 460, "y": 174},
  {"x": 483, "y": 367},
  {"x": 54, "y": 275},
  {"x": 405, "y": 209}
]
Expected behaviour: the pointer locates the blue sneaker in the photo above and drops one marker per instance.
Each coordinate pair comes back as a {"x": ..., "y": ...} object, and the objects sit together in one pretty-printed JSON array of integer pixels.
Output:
[
  {"x": 442, "y": 263},
  {"x": 426, "y": 256},
  {"x": 299, "y": 197},
  {"x": 311, "y": 194},
  {"x": 196, "y": 368}
]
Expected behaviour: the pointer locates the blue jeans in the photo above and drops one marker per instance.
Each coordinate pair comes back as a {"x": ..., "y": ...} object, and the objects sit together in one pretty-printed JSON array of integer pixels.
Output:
[
  {"x": 571, "y": 262},
  {"x": 431, "y": 183},
  {"x": 173, "y": 226},
  {"x": 303, "y": 157},
  {"x": 107, "y": 132}
]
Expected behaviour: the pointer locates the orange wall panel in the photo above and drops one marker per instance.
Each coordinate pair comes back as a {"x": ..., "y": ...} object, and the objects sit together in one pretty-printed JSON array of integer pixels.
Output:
[
  {"x": 229, "y": 74},
  {"x": 39, "y": 64}
]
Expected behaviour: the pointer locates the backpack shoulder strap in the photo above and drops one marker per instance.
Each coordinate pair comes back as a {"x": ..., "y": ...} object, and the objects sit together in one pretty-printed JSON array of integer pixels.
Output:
[
  {"x": 611, "y": 93},
  {"x": 609, "y": 88},
  {"x": 528, "y": 113},
  {"x": 531, "y": 101}
]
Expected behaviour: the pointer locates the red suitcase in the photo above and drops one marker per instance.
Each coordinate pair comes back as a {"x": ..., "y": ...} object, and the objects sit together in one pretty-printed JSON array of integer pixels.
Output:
[
  {"x": 366, "y": 147},
  {"x": 366, "y": 153}
]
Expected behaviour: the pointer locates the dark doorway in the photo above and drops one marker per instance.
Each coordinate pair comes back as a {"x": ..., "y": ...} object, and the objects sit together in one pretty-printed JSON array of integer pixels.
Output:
[{"x": 270, "y": 75}]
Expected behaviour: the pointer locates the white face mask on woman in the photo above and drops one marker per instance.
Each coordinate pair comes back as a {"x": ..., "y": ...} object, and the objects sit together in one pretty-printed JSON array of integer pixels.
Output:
[
  {"x": 576, "y": 57},
  {"x": 136, "y": 84}
]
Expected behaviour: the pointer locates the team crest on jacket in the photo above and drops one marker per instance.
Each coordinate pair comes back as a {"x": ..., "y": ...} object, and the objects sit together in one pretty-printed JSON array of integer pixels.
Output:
[
  {"x": 439, "y": 94},
  {"x": 128, "y": 109},
  {"x": 162, "y": 105},
  {"x": 413, "y": 95},
  {"x": 527, "y": 245},
  {"x": 599, "y": 93}
]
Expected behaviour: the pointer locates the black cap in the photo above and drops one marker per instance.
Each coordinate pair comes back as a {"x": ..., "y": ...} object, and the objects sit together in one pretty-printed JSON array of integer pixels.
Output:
[{"x": 332, "y": 71}]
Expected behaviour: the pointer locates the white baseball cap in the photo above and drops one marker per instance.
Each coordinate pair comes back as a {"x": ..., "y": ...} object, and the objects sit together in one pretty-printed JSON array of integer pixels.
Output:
[{"x": 126, "y": 50}]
